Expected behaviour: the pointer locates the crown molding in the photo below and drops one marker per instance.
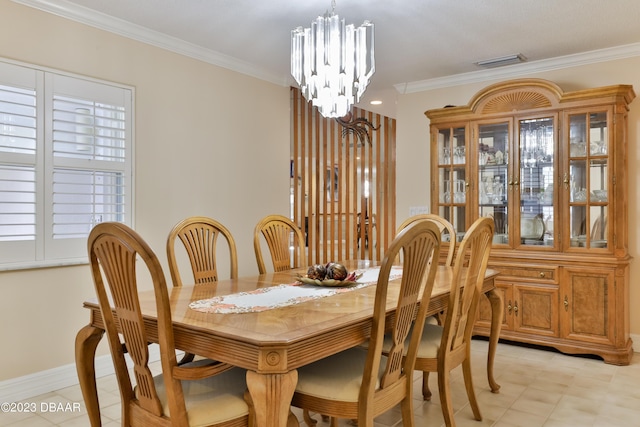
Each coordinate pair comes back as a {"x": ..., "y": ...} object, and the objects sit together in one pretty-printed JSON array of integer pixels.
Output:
[
  {"x": 127, "y": 29},
  {"x": 142, "y": 34},
  {"x": 524, "y": 69}
]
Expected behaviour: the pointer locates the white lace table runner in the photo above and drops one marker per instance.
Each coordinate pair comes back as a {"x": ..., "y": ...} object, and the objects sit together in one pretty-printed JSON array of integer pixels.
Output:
[{"x": 282, "y": 295}]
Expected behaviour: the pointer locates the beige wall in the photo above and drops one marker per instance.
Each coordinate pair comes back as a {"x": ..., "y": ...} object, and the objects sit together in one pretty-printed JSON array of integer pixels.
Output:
[
  {"x": 413, "y": 139},
  {"x": 208, "y": 142}
]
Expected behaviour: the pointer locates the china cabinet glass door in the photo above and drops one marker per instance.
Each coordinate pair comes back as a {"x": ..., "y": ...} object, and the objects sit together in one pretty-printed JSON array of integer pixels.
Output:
[
  {"x": 588, "y": 180},
  {"x": 536, "y": 181},
  {"x": 452, "y": 177},
  {"x": 493, "y": 176}
]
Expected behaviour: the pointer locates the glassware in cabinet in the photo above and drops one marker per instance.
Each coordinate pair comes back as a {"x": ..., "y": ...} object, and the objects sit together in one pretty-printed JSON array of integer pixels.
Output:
[
  {"x": 452, "y": 183},
  {"x": 493, "y": 176},
  {"x": 537, "y": 143}
]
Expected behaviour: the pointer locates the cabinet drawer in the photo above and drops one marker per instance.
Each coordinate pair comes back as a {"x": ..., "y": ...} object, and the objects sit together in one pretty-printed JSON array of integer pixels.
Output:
[{"x": 537, "y": 273}]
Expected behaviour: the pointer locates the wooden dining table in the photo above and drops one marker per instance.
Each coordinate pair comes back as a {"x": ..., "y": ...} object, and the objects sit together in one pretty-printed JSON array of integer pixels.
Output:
[{"x": 273, "y": 343}]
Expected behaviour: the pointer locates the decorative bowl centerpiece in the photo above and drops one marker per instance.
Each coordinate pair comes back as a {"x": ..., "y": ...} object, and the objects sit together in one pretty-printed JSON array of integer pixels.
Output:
[{"x": 331, "y": 274}]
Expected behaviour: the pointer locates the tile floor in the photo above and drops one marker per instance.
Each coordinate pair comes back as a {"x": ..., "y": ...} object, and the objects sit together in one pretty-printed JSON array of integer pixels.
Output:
[{"x": 538, "y": 388}]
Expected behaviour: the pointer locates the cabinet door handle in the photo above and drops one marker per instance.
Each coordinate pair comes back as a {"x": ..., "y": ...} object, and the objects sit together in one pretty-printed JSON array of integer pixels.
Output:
[
  {"x": 542, "y": 274},
  {"x": 509, "y": 307},
  {"x": 566, "y": 180},
  {"x": 515, "y": 309},
  {"x": 566, "y": 303}
]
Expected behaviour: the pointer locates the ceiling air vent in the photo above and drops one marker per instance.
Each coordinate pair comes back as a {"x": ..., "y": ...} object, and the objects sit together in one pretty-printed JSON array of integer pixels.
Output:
[{"x": 501, "y": 61}]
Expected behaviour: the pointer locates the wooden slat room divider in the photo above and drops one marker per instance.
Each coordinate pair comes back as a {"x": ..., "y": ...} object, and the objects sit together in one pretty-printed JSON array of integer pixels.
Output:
[{"x": 343, "y": 181}]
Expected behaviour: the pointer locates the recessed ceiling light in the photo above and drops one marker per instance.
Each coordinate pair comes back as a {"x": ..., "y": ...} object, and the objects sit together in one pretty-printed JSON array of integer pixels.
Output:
[
  {"x": 503, "y": 60},
  {"x": 376, "y": 102}
]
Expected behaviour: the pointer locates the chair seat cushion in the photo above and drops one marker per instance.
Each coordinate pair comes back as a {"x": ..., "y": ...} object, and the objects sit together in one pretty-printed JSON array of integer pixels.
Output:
[
  {"x": 210, "y": 400},
  {"x": 337, "y": 377},
  {"x": 429, "y": 344}
]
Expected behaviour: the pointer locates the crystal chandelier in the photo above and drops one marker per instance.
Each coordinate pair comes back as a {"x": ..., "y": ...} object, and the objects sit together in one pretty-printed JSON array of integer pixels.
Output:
[{"x": 332, "y": 62}]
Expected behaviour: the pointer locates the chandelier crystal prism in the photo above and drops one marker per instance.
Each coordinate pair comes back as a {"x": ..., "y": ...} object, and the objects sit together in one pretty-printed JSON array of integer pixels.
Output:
[{"x": 332, "y": 62}]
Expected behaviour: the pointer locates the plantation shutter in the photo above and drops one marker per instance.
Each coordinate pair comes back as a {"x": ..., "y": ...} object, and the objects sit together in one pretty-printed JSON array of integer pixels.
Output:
[
  {"x": 18, "y": 158},
  {"x": 89, "y": 182}
]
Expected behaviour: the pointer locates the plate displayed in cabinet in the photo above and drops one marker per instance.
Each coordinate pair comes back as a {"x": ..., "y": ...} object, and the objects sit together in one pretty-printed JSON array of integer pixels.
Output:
[{"x": 531, "y": 227}]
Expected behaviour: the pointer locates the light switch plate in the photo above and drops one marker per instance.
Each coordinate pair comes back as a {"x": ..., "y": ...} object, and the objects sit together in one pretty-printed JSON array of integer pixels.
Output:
[{"x": 418, "y": 210}]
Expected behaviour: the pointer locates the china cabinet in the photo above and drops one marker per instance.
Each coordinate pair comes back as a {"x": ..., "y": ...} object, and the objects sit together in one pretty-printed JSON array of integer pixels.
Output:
[{"x": 550, "y": 168}]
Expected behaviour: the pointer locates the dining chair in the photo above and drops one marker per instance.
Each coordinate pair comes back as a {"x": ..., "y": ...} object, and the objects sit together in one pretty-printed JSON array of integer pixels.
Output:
[
  {"x": 202, "y": 393},
  {"x": 448, "y": 234},
  {"x": 360, "y": 383},
  {"x": 199, "y": 236},
  {"x": 363, "y": 224},
  {"x": 447, "y": 346},
  {"x": 446, "y": 229},
  {"x": 278, "y": 230}
]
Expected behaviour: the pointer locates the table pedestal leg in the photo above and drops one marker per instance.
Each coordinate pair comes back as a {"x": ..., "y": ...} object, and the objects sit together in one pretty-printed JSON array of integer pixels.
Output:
[
  {"x": 87, "y": 340},
  {"x": 497, "y": 311},
  {"x": 271, "y": 395}
]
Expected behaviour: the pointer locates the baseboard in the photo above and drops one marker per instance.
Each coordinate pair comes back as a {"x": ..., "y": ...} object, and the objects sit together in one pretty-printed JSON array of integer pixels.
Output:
[{"x": 29, "y": 386}]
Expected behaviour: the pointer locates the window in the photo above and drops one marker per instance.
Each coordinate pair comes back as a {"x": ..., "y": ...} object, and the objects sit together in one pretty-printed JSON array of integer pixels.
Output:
[{"x": 65, "y": 163}]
